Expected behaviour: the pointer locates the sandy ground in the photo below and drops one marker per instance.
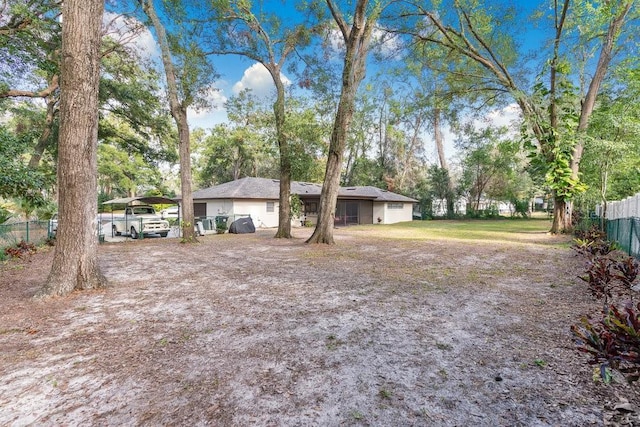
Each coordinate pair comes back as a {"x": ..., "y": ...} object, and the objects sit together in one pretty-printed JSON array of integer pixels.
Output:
[{"x": 246, "y": 330}]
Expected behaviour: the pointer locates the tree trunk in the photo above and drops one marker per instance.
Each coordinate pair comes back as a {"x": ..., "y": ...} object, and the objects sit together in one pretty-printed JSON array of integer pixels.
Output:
[
  {"x": 188, "y": 230},
  {"x": 284, "y": 210},
  {"x": 44, "y": 141},
  {"x": 75, "y": 260},
  {"x": 356, "y": 39},
  {"x": 439, "y": 139},
  {"x": 561, "y": 216},
  {"x": 323, "y": 232},
  {"x": 179, "y": 114},
  {"x": 606, "y": 54}
]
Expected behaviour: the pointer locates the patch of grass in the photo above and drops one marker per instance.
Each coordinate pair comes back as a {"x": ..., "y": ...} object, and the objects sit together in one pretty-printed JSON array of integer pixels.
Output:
[
  {"x": 356, "y": 415},
  {"x": 540, "y": 363},
  {"x": 444, "y": 346},
  {"x": 384, "y": 393},
  {"x": 332, "y": 342},
  {"x": 443, "y": 374},
  {"x": 514, "y": 230}
]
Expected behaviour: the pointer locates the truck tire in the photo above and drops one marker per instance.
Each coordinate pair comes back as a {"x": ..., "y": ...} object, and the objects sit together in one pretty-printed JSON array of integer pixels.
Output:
[
  {"x": 115, "y": 230},
  {"x": 164, "y": 234},
  {"x": 134, "y": 233}
]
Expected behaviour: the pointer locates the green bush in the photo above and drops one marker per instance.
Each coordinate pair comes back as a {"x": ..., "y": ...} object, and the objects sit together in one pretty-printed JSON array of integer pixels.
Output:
[{"x": 612, "y": 338}]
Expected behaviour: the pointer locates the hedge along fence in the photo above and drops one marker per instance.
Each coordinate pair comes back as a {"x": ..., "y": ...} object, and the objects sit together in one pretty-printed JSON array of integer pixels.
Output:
[
  {"x": 31, "y": 232},
  {"x": 623, "y": 223}
]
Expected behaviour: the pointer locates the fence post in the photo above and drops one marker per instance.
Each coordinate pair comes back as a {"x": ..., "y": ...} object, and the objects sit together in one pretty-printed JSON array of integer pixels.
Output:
[{"x": 27, "y": 231}]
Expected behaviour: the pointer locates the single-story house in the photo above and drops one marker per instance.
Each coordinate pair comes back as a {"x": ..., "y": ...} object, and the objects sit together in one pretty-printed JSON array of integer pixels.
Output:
[{"x": 259, "y": 198}]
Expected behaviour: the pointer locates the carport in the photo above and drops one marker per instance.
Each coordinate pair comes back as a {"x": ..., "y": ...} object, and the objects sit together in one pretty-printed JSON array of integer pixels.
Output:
[{"x": 138, "y": 200}]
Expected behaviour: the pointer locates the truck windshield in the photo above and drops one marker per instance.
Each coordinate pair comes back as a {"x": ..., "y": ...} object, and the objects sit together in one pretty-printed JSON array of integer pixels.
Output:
[{"x": 140, "y": 211}]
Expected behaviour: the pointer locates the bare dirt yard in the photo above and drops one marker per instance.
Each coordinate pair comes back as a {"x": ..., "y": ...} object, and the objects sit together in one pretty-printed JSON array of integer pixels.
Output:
[{"x": 382, "y": 329}]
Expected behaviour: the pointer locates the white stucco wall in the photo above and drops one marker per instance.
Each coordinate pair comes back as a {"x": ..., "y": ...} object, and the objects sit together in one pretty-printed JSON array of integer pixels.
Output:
[
  {"x": 216, "y": 207},
  {"x": 392, "y": 216},
  {"x": 379, "y": 212},
  {"x": 258, "y": 211}
]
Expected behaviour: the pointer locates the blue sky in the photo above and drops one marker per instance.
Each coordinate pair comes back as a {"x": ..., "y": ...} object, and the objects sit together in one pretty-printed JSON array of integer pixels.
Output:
[{"x": 237, "y": 73}]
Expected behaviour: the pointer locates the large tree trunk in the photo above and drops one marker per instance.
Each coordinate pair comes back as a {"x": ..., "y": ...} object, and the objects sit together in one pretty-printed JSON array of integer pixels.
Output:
[
  {"x": 561, "y": 216},
  {"x": 75, "y": 260},
  {"x": 357, "y": 38}
]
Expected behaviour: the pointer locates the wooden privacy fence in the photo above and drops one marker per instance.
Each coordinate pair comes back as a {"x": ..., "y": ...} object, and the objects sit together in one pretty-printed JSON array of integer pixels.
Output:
[{"x": 623, "y": 223}]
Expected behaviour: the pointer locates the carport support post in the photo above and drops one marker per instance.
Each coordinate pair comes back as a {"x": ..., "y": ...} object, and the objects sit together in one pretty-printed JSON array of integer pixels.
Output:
[
  {"x": 27, "y": 231},
  {"x": 140, "y": 234}
]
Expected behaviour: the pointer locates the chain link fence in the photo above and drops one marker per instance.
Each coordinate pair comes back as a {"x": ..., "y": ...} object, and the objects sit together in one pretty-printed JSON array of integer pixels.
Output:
[
  {"x": 626, "y": 232},
  {"x": 34, "y": 232}
]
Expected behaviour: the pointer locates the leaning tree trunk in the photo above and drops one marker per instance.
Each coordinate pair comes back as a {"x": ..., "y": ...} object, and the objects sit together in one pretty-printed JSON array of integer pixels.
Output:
[
  {"x": 357, "y": 39},
  {"x": 75, "y": 260},
  {"x": 284, "y": 210},
  {"x": 179, "y": 114}
]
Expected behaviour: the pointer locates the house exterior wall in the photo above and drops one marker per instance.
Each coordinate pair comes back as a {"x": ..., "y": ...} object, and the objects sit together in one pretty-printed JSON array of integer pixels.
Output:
[
  {"x": 392, "y": 216},
  {"x": 378, "y": 212},
  {"x": 218, "y": 207},
  {"x": 258, "y": 211},
  {"x": 368, "y": 212}
]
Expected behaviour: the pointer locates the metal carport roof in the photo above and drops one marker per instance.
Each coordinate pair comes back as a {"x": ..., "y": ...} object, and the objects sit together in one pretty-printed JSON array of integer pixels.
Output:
[{"x": 151, "y": 200}]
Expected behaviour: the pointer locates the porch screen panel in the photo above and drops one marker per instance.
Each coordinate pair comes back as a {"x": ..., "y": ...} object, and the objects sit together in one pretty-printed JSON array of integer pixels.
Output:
[{"x": 366, "y": 212}]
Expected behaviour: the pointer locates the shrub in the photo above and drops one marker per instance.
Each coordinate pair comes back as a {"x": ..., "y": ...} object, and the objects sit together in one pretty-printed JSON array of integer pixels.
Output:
[
  {"x": 611, "y": 278},
  {"x": 613, "y": 341},
  {"x": 594, "y": 247},
  {"x": 20, "y": 249}
]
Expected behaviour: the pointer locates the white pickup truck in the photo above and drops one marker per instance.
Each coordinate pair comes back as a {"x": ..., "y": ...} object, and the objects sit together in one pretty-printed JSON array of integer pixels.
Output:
[{"x": 140, "y": 220}]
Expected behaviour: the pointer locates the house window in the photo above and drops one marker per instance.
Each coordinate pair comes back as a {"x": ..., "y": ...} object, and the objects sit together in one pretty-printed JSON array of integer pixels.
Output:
[
  {"x": 271, "y": 207},
  {"x": 395, "y": 205},
  {"x": 311, "y": 207}
]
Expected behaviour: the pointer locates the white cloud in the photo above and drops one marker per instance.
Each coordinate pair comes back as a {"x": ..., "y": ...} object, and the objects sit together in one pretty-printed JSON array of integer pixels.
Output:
[
  {"x": 215, "y": 98},
  {"x": 506, "y": 116},
  {"x": 382, "y": 42},
  {"x": 130, "y": 31},
  {"x": 387, "y": 44},
  {"x": 258, "y": 79}
]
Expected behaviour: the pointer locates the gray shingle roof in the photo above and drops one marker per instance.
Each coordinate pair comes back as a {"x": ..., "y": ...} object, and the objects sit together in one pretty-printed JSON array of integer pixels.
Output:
[{"x": 265, "y": 188}]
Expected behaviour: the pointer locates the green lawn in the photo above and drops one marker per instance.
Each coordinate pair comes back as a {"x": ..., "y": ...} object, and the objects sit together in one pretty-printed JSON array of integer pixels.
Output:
[{"x": 517, "y": 230}]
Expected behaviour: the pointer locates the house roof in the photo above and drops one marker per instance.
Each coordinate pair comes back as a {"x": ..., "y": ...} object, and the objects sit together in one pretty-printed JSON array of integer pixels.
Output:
[{"x": 265, "y": 188}]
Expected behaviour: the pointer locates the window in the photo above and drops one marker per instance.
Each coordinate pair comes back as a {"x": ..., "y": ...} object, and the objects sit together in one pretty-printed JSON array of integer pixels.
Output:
[
  {"x": 395, "y": 205},
  {"x": 311, "y": 207},
  {"x": 271, "y": 206}
]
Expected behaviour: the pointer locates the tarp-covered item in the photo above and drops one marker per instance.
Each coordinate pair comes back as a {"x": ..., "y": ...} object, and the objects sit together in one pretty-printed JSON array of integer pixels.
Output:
[{"x": 242, "y": 226}]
